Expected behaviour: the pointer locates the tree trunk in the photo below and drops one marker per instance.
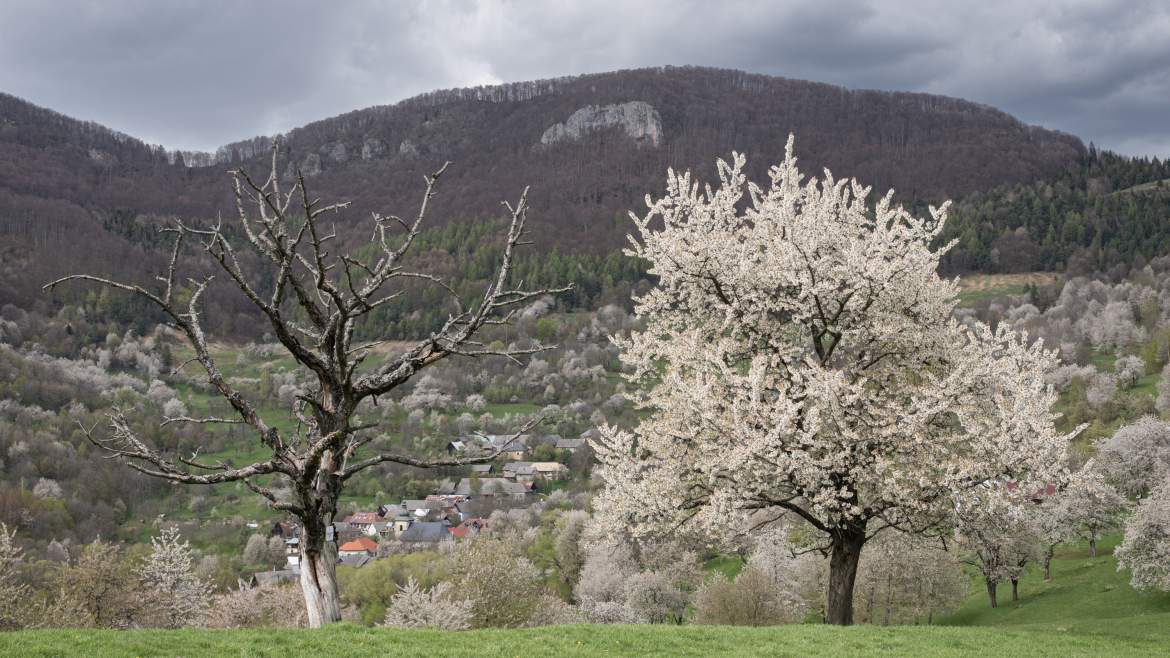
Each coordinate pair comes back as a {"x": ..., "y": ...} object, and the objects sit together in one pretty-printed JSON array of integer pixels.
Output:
[
  {"x": 1015, "y": 589},
  {"x": 1093, "y": 547},
  {"x": 319, "y": 574},
  {"x": 846, "y": 553},
  {"x": 991, "y": 586},
  {"x": 1048, "y": 564}
]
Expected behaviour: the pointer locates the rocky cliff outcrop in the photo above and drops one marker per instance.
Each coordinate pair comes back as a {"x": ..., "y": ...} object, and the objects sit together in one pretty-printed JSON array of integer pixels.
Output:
[{"x": 639, "y": 120}]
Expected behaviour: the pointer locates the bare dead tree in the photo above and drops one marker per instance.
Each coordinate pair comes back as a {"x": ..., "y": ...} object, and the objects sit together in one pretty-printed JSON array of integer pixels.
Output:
[{"x": 333, "y": 292}]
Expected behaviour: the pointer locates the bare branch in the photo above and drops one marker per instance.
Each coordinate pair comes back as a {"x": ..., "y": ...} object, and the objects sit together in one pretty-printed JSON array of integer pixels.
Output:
[
  {"x": 125, "y": 446},
  {"x": 407, "y": 460}
]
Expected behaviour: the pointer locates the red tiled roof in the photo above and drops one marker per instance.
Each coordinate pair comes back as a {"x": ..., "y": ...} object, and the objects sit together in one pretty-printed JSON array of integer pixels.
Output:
[
  {"x": 361, "y": 518},
  {"x": 360, "y": 544}
]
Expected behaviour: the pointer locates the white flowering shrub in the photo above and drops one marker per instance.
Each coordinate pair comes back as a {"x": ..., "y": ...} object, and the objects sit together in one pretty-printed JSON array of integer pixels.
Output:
[
  {"x": 178, "y": 597},
  {"x": 1145, "y": 551},
  {"x": 654, "y": 599},
  {"x": 13, "y": 601},
  {"x": 415, "y": 607},
  {"x": 428, "y": 394},
  {"x": 503, "y": 587},
  {"x": 274, "y": 606},
  {"x": 1162, "y": 402},
  {"x": 1101, "y": 389},
  {"x": 1129, "y": 369},
  {"x": 174, "y": 408},
  {"x": 1137, "y": 457},
  {"x": 751, "y": 599},
  {"x": 1063, "y": 376}
]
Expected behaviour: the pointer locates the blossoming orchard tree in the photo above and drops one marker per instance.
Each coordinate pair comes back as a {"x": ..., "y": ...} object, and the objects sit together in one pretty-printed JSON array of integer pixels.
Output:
[
  {"x": 313, "y": 299},
  {"x": 800, "y": 357}
]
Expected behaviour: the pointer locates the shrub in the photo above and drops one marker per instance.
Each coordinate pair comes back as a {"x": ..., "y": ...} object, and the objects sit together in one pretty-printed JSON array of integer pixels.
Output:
[
  {"x": 415, "y": 607},
  {"x": 752, "y": 599}
]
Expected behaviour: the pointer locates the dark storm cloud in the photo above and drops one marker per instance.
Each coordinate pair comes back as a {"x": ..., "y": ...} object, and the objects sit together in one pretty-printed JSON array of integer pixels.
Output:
[{"x": 195, "y": 75}]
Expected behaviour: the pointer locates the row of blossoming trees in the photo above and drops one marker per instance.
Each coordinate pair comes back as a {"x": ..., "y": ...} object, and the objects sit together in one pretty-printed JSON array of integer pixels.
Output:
[{"x": 800, "y": 365}]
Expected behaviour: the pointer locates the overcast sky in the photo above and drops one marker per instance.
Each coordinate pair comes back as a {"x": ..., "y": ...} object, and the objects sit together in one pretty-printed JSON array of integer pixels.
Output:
[{"x": 194, "y": 75}]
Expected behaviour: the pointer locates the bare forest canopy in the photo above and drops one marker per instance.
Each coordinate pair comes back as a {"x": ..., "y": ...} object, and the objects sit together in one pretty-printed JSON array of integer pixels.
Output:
[{"x": 75, "y": 196}]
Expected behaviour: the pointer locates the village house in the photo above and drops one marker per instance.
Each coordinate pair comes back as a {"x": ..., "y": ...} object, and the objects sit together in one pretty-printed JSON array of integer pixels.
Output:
[
  {"x": 424, "y": 510},
  {"x": 427, "y": 532},
  {"x": 508, "y": 447},
  {"x": 292, "y": 551},
  {"x": 355, "y": 561},
  {"x": 361, "y": 519},
  {"x": 401, "y": 522},
  {"x": 274, "y": 577},
  {"x": 284, "y": 529},
  {"x": 572, "y": 445},
  {"x": 491, "y": 487},
  {"x": 357, "y": 547},
  {"x": 343, "y": 531},
  {"x": 520, "y": 472},
  {"x": 469, "y": 528},
  {"x": 528, "y": 472}
]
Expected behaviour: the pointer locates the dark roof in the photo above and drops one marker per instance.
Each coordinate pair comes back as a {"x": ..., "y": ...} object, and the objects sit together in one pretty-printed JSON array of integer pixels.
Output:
[
  {"x": 519, "y": 468},
  {"x": 412, "y": 505},
  {"x": 502, "y": 442},
  {"x": 266, "y": 578},
  {"x": 355, "y": 561},
  {"x": 426, "y": 531},
  {"x": 490, "y": 487},
  {"x": 570, "y": 444}
]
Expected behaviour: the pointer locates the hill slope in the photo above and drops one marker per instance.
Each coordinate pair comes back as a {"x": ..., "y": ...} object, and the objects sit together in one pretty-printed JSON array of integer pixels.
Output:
[{"x": 74, "y": 193}]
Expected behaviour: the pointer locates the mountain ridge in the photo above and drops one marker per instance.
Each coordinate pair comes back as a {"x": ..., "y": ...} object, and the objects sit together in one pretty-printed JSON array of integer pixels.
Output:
[{"x": 61, "y": 179}]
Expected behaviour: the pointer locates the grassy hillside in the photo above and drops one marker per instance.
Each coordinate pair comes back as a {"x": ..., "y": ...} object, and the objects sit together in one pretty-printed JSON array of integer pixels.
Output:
[
  {"x": 1086, "y": 597},
  {"x": 807, "y": 640},
  {"x": 1088, "y": 609}
]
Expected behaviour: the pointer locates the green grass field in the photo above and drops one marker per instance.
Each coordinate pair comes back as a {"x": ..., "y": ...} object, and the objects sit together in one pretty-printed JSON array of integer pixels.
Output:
[
  {"x": 1088, "y": 609},
  {"x": 1086, "y": 597},
  {"x": 803, "y": 640}
]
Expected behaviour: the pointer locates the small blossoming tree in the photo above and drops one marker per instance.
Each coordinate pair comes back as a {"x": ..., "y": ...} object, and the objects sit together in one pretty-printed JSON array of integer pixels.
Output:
[
  {"x": 800, "y": 356},
  {"x": 178, "y": 596},
  {"x": 1145, "y": 551}
]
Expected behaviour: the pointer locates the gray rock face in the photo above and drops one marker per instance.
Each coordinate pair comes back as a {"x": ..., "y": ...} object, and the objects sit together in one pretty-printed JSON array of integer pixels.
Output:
[
  {"x": 102, "y": 157},
  {"x": 408, "y": 149},
  {"x": 372, "y": 148},
  {"x": 638, "y": 119},
  {"x": 337, "y": 152},
  {"x": 310, "y": 166}
]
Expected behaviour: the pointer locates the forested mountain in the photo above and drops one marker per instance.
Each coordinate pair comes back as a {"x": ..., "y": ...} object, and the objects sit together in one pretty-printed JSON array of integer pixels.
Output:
[
  {"x": 1109, "y": 213},
  {"x": 76, "y": 196}
]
